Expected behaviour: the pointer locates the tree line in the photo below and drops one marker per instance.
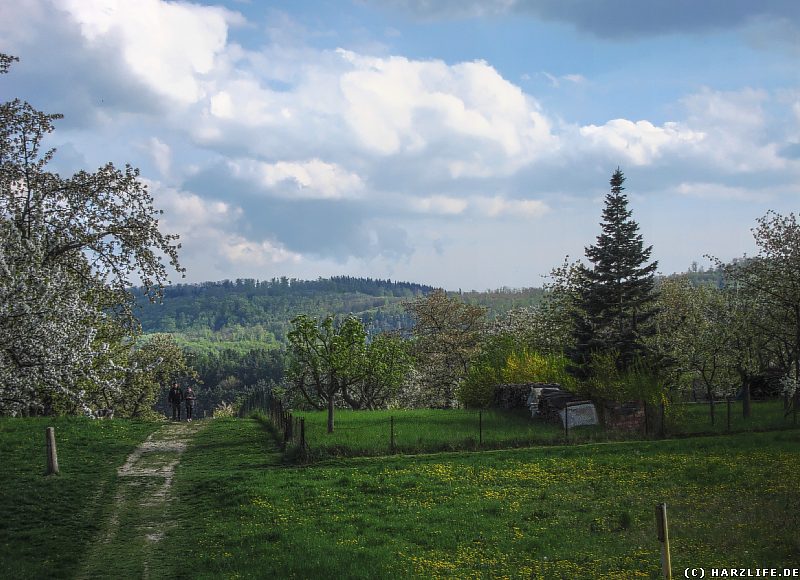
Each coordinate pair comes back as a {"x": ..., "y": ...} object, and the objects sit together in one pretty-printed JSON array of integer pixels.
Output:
[{"x": 607, "y": 328}]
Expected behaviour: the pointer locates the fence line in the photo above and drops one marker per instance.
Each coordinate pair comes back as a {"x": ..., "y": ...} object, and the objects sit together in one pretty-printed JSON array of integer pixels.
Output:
[{"x": 683, "y": 419}]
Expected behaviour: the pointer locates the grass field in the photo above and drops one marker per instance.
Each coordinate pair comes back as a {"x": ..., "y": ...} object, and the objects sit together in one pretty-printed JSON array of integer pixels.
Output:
[
  {"x": 48, "y": 522},
  {"x": 585, "y": 511},
  {"x": 418, "y": 431}
]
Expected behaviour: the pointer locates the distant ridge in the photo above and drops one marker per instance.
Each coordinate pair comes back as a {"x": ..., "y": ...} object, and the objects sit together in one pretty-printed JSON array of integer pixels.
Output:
[{"x": 246, "y": 312}]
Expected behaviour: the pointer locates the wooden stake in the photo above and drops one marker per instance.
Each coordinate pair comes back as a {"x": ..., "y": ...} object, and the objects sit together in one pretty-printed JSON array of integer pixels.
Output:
[
  {"x": 729, "y": 413},
  {"x": 391, "y": 433},
  {"x": 52, "y": 456},
  {"x": 662, "y": 529},
  {"x": 480, "y": 427}
]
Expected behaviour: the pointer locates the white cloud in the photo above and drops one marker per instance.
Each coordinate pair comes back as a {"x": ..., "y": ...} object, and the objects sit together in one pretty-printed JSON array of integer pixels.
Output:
[
  {"x": 439, "y": 204},
  {"x": 209, "y": 235},
  {"x": 242, "y": 251},
  {"x": 640, "y": 143},
  {"x": 737, "y": 129},
  {"x": 169, "y": 45},
  {"x": 187, "y": 212},
  {"x": 499, "y": 206},
  {"x": 718, "y": 191},
  {"x": 312, "y": 179},
  {"x": 396, "y": 105}
]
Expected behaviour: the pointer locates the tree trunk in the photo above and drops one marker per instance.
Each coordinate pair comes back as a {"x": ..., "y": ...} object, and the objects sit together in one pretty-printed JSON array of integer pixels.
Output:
[{"x": 330, "y": 414}]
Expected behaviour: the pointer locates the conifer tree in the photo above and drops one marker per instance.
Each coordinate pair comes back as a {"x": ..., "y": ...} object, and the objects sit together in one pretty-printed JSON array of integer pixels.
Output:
[{"x": 616, "y": 300}]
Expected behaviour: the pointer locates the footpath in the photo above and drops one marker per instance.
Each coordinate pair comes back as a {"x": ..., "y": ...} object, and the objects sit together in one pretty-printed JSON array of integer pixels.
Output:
[{"x": 128, "y": 542}]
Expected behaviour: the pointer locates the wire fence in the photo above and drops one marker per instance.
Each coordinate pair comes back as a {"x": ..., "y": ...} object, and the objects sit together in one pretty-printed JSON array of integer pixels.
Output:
[{"x": 419, "y": 431}]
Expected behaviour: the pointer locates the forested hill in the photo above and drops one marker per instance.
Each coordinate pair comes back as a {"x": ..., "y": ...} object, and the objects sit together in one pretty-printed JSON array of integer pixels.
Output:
[{"x": 245, "y": 313}]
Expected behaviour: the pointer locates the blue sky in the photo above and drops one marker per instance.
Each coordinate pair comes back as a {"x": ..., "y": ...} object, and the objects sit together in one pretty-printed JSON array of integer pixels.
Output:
[{"x": 456, "y": 143}]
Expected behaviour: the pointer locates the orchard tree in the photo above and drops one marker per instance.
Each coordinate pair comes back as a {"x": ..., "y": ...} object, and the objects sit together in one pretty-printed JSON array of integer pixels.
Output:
[
  {"x": 614, "y": 296},
  {"x": 70, "y": 248},
  {"x": 326, "y": 360},
  {"x": 696, "y": 337},
  {"x": 773, "y": 277},
  {"x": 446, "y": 338},
  {"x": 388, "y": 364}
]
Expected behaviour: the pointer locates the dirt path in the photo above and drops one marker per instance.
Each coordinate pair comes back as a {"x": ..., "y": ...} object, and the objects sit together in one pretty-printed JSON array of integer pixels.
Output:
[{"x": 137, "y": 523}]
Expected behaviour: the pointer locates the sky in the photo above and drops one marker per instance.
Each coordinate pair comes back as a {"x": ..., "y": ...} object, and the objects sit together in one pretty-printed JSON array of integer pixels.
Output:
[{"x": 459, "y": 143}]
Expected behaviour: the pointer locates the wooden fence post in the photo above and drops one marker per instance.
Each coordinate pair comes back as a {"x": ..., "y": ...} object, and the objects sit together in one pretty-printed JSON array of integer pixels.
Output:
[
  {"x": 663, "y": 419},
  {"x": 391, "y": 433},
  {"x": 729, "y": 413},
  {"x": 480, "y": 427},
  {"x": 566, "y": 423},
  {"x": 303, "y": 433},
  {"x": 662, "y": 529},
  {"x": 52, "y": 456}
]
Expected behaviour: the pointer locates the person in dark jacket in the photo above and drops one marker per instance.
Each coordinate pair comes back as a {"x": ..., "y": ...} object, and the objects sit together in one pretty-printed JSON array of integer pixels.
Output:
[
  {"x": 175, "y": 397},
  {"x": 189, "y": 397}
]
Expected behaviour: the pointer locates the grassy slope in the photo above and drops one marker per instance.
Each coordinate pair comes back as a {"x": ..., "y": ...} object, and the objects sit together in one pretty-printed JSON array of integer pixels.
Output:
[
  {"x": 583, "y": 511},
  {"x": 48, "y": 522}
]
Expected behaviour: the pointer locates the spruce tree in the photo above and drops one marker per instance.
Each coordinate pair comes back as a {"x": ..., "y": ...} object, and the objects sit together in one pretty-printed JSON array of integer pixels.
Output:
[{"x": 616, "y": 299}]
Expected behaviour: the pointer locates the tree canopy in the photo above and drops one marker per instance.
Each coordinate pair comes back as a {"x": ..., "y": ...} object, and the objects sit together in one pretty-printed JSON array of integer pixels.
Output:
[{"x": 69, "y": 247}]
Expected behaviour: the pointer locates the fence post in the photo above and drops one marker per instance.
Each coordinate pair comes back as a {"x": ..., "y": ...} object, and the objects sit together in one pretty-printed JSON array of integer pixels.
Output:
[
  {"x": 566, "y": 423},
  {"x": 52, "y": 456},
  {"x": 729, "y": 413},
  {"x": 303, "y": 433},
  {"x": 646, "y": 421},
  {"x": 663, "y": 419},
  {"x": 480, "y": 427},
  {"x": 287, "y": 432},
  {"x": 662, "y": 529},
  {"x": 391, "y": 433}
]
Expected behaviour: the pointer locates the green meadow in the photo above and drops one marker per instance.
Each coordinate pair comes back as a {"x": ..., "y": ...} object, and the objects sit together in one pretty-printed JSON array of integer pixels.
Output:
[
  {"x": 239, "y": 510},
  {"x": 584, "y": 511},
  {"x": 48, "y": 523},
  {"x": 430, "y": 430}
]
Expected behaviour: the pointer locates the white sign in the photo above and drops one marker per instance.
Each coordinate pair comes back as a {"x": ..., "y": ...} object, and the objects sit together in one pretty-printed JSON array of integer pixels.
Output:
[{"x": 579, "y": 415}]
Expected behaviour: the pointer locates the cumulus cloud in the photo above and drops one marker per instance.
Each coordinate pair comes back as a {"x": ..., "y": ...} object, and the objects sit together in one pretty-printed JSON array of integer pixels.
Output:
[
  {"x": 396, "y": 105},
  {"x": 313, "y": 179},
  {"x": 640, "y": 143},
  {"x": 166, "y": 44},
  {"x": 209, "y": 234},
  {"x": 737, "y": 129},
  {"x": 439, "y": 204},
  {"x": 291, "y": 157}
]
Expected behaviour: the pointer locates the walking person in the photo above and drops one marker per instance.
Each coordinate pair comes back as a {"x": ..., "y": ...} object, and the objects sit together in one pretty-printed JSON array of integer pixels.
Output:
[
  {"x": 189, "y": 397},
  {"x": 175, "y": 397}
]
